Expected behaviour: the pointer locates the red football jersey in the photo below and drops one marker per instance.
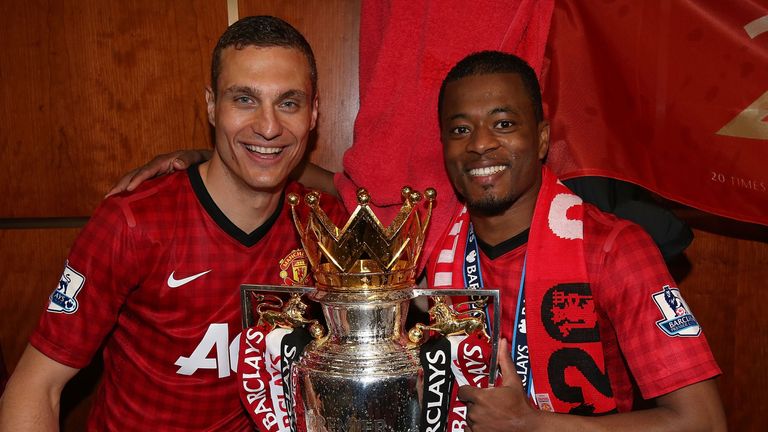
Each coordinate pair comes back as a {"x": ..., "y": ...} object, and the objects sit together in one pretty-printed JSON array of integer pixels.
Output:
[
  {"x": 155, "y": 278},
  {"x": 628, "y": 280}
]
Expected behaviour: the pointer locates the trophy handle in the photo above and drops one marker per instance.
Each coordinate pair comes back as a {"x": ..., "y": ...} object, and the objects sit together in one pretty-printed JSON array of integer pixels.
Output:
[
  {"x": 272, "y": 310},
  {"x": 448, "y": 322}
]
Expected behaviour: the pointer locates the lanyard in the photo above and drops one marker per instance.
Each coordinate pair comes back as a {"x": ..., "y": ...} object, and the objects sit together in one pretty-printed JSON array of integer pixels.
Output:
[
  {"x": 473, "y": 276},
  {"x": 473, "y": 279},
  {"x": 520, "y": 354}
]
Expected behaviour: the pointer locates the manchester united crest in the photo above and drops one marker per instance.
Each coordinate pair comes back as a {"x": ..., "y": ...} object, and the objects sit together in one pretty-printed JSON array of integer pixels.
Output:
[
  {"x": 294, "y": 268},
  {"x": 568, "y": 313}
]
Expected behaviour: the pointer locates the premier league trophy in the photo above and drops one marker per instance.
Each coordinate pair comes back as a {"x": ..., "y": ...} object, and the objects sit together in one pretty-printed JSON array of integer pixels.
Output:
[{"x": 364, "y": 373}]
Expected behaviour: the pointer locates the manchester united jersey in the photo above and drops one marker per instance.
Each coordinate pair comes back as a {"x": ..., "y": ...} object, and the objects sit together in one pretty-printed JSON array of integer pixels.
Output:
[
  {"x": 645, "y": 339},
  {"x": 155, "y": 277}
]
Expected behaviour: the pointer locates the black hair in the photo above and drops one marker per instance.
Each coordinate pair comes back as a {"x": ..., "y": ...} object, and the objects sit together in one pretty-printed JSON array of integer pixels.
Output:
[
  {"x": 491, "y": 62},
  {"x": 262, "y": 31}
]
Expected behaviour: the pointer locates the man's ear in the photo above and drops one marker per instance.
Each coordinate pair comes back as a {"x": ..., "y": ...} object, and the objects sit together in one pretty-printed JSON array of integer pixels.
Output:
[
  {"x": 543, "y": 139},
  {"x": 315, "y": 105},
  {"x": 210, "y": 101}
]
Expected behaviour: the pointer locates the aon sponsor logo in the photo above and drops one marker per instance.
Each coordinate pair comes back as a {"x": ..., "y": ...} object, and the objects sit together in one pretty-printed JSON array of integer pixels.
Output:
[{"x": 214, "y": 351}]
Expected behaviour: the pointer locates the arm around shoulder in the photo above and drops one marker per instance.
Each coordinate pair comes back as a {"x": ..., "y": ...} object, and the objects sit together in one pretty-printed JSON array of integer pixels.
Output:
[
  {"x": 162, "y": 164},
  {"x": 315, "y": 177},
  {"x": 32, "y": 396}
]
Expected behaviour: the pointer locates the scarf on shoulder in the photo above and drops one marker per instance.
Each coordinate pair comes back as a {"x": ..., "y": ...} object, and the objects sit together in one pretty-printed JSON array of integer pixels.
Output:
[{"x": 561, "y": 326}]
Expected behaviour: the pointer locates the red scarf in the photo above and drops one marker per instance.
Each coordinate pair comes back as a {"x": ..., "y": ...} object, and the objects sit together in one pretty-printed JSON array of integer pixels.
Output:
[{"x": 567, "y": 361}]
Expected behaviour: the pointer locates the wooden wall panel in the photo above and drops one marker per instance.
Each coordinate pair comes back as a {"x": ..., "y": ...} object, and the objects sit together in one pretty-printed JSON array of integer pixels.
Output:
[
  {"x": 33, "y": 261},
  {"x": 726, "y": 270},
  {"x": 332, "y": 28},
  {"x": 92, "y": 88}
]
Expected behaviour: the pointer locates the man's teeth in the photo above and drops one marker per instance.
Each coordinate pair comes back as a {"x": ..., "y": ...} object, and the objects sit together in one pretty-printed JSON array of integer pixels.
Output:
[
  {"x": 486, "y": 171},
  {"x": 263, "y": 150}
]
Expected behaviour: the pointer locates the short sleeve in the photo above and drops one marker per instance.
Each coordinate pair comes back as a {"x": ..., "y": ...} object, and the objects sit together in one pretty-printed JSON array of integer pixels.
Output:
[
  {"x": 98, "y": 276},
  {"x": 658, "y": 335}
]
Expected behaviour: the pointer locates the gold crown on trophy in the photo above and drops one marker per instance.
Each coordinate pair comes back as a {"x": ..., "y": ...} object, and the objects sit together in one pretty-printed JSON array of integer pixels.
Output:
[{"x": 364, "y": 255}]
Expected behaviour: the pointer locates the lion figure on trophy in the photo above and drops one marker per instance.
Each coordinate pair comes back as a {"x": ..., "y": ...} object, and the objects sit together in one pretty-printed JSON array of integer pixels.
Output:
[
  {"x": 449, "y": 322},
  {"x": 288, "y": 316}
]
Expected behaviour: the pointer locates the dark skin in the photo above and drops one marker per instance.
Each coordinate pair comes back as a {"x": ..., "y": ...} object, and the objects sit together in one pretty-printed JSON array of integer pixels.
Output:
[{"x": 494, "y": 148}]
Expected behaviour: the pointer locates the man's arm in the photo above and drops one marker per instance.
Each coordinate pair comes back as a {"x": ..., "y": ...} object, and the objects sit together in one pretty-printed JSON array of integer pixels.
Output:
[
  {"x": 308, "y": 174},
  {"x": 32, "y": 397},
  {"x": 696, "y": 407},
  {"x": 162, "y": 164},
  {"x": 315, "y": 177}
]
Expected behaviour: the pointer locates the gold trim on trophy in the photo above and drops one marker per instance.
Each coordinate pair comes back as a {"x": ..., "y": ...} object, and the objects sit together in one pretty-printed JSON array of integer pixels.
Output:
[
  {"x": 449, "y": 322},
  {"x": 364, "y": 255},
  {"x": 288, "y": 316}
]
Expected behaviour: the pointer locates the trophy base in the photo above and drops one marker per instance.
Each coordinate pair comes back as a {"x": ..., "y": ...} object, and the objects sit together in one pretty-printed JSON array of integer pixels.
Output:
[{"x": 357, "y": 404}]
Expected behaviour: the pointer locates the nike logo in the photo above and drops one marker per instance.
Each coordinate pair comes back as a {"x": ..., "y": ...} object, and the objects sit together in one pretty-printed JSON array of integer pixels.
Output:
[{"x": 175, "y": 283}]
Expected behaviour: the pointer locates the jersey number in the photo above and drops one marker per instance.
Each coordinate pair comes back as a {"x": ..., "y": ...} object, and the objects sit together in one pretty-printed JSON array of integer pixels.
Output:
[{"x": 224, "y": 358}]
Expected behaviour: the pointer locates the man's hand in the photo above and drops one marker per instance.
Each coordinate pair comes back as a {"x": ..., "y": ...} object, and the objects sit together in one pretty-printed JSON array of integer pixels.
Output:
[
  {"x": 160, "y": 165},
  {"x": 695, "y": 407},
  {"x": 504, "y": 408}
]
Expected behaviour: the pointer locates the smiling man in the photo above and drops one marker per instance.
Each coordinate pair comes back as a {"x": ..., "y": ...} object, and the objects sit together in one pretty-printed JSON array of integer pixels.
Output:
[
  {"x": 154, "y": 277},
  {"x": 585, "y": 295}
]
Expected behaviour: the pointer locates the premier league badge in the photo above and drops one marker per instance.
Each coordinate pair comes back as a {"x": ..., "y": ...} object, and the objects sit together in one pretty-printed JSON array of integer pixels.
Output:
[
  {"x": 678, "y": 319},
  {"x": 64, "y": 297}
]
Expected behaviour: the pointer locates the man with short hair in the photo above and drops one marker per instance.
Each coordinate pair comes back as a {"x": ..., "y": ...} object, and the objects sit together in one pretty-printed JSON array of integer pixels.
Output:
[
  {"x": 585, "y": 294},
  {"x": 155, "y": 275}
]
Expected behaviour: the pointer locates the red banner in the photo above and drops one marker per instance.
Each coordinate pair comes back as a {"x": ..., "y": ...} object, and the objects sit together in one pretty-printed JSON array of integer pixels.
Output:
[{"x": 669, "y": 95}]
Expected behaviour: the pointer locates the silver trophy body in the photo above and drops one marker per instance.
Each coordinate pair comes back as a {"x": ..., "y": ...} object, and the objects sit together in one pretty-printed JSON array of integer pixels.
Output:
[{"x": 364, "y": 375}]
